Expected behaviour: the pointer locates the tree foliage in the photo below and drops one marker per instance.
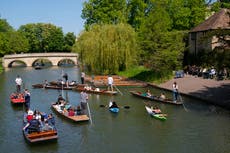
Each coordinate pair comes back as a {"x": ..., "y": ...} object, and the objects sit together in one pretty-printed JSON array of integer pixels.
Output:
[
  {"x": 69, "y": 41},
  {"x": 10, "y": 40},
  {"x": 108, "y": 48},
  {"x": 43, "y": 37},
  {"x": 162, "y": 50},
  {"x": 104, "y": 12}
]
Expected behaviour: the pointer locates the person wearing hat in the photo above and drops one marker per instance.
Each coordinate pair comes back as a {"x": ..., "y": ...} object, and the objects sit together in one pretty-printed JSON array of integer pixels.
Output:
[
  {"x": 30, "y": 115},
  {"x": 33, "y": 125}
]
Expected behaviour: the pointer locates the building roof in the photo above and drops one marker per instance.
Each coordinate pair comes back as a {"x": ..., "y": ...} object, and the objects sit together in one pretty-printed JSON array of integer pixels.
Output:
[{"x": 219, "y": 20}]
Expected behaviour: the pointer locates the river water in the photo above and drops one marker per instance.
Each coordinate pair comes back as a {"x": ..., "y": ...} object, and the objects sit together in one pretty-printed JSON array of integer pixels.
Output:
[{"x": 196, "y": 127}]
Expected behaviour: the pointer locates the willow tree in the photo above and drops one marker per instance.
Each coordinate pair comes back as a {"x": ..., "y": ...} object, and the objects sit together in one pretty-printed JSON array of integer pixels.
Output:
[{"x": 108, "y": 49}]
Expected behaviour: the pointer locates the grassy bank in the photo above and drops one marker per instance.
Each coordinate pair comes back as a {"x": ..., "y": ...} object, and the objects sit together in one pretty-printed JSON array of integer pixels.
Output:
[{"x": 144, "y": 74}]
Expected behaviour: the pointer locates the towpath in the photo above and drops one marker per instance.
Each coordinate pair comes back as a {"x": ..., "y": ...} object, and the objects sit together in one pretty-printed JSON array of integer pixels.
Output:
[{"x": 210, "y": 90}]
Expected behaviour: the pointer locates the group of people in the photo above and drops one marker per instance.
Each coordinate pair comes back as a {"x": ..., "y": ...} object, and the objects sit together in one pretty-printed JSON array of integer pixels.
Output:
[
  {"x": 162, "y": 95},
  {"x": 37, "y": 121},
  {"x": 63, "y": 106}
]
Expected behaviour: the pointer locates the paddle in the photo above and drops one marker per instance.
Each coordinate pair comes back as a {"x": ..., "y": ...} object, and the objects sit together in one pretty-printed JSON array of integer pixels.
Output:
[{"x": 126, "y": 107}]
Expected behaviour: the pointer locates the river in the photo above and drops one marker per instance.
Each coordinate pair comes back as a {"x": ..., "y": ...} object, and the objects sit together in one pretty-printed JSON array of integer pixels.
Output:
[{"x": 195, "y": 127}]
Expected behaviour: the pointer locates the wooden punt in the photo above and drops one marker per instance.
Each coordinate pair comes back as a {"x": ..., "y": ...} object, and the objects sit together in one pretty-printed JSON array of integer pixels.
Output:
[
  {"x": 17, "y": 99},
  {"x": 75, "y": 118},
  {"x": 107, "y": 92},
  {"x": 71, "y": 84},
  {"x": 52, "y": 87},
  {"x": 39, "y": 136},
  {"x": 155, "y": 98}
]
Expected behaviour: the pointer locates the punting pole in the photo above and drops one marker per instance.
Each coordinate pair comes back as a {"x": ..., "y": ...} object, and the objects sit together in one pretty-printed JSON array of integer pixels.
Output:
[
  {"x": 89, "y": 113},
  {"x": 118, "y": 90},
  {"x": 182, "y": 102}
]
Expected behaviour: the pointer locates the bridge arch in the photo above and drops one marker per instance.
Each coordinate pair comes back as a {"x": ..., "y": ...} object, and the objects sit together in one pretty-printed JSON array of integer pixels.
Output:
[{"x": 30, "y": 58}]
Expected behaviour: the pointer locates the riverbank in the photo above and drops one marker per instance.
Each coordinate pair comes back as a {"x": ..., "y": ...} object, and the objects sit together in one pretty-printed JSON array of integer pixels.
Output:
[{"x": 208, "y": 90}]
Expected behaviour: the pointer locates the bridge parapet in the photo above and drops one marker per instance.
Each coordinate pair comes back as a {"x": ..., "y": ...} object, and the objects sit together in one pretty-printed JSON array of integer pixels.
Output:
[{"x": 30, "y": 58}]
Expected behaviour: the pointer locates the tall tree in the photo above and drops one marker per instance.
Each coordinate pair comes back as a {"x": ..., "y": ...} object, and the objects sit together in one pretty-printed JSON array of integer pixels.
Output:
[
  {"x": 4, "y": 26},
  {"x": 137, "y": 10},
  {"x": 69, "y": 41},
  {"x": 108, "y": 48},
  {"x": 162, "y": 50},
  {"x": 104, "y": 12},
  {"x": 43, "y": 37}
]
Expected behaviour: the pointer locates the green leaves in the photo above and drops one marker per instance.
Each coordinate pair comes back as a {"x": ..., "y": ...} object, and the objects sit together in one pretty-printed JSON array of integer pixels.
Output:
[{"x": 108, "y": 48}]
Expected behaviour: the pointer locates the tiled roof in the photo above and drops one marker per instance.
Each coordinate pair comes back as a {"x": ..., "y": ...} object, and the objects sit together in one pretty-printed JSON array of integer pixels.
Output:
[{"x": 219, "y": 20}]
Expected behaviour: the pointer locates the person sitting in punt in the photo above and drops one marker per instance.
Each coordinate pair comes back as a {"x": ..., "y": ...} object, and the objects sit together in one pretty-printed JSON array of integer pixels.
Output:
[
  {"x": 60, "y": 100},
  {"x": 87, "y": 87},
  {"x": 113, "y": 105},
  {"x": 156, "y": 110},
  {"x": 50, "y": 119},
  {"x": 162, "y": 96},
  {"x": 65, "y": 111},
  {"x": 78, "y": 110},
  {"x": 29, "y": 116},
  {"x": 148, "y": 94},
  {"x": 71, "y": 112},
  {"x": 33, "y": 125},
  {"x": 14, "y": 95},
  {"x": 46, "y": 126},
  {"x": 45, "y": 84}
]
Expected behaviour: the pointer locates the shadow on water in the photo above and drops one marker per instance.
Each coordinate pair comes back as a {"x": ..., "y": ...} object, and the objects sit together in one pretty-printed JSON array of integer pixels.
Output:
[{"x": 216, "y": 95}]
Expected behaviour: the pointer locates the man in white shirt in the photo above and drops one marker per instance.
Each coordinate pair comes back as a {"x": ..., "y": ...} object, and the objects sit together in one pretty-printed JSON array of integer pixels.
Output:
[
  {"x": 110, "y": 83},
  {"x": 18, "y": 82}
]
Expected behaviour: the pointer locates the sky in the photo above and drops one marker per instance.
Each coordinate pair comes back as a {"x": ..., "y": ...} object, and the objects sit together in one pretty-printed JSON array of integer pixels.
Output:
[{"x": 65, "y": 14}]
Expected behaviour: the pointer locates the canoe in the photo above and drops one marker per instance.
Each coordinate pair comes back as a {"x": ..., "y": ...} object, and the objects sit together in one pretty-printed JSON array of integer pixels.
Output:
[
  {"x": 18, "y": 99},
  {"x": 75, "y": 118},
  {"x": 157, "y": 116},
  {"x": 96, "y": 91},
  {"x": 39, "y": 136},
  {"x": 155, "y": 98},
  {"x": 114, "y": 110}
]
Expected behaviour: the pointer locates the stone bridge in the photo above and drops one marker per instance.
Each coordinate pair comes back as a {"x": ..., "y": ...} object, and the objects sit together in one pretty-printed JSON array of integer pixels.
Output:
[{"x": 29, "y": 59}]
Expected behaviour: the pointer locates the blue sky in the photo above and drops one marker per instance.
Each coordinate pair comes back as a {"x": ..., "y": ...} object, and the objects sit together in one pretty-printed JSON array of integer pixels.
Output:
[{"x": 61, "y": 13}]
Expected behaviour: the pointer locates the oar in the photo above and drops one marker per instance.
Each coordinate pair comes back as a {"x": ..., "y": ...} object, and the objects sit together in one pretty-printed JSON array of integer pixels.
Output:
[
  {"x": 126, "y": 107},
  {"x": 118, "y": 90}
]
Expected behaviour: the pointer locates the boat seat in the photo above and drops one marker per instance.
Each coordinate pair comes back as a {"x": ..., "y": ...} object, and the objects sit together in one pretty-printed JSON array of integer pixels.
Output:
[{"x": 41, "y": 134}]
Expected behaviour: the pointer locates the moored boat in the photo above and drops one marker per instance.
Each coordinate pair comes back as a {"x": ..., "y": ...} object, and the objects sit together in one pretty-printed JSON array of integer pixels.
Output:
[
  {"x": 17, "y": 98},
  {"x": 52, "y": 87},
  {"x": 95, "y": 91},
  {"x": 157, "y": 116},
  {"x": 155, "y": 98},
  {"x": 75, "y": 117}
]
